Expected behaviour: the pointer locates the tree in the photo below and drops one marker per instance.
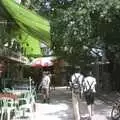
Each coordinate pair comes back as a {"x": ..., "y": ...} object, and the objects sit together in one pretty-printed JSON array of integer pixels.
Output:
[
  {"x": 84, "y": 25},
  {"x": 72, "y": 32},
  {"x": 79, "y": 26}
]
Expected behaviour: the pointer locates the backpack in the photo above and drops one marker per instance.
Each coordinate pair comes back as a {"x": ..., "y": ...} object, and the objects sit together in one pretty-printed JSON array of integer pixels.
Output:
[
  {"x": 76, "y": 85},
  {"x": 89, "y": 91}
]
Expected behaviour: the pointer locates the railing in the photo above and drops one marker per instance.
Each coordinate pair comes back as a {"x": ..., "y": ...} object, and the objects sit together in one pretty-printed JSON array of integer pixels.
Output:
[{"x": 6, "y": 52}]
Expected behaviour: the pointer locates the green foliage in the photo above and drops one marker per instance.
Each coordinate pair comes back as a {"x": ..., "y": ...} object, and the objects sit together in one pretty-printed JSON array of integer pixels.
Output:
[
  {"x": 83, "y": 26},
  {"x": 29, "y": 45},
  {"x": 28, "y": 20},
  {"x": 71, "y": 31}
]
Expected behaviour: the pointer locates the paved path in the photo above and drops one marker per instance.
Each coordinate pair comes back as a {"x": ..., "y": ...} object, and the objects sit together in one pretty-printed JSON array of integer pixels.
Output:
[
  {"x": 60, "y": 107},
  {"x": 101, "y": 110}
]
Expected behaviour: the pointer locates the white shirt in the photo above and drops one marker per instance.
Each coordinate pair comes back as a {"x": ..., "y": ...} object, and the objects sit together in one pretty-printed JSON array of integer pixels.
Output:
[
  {"x": 45, "y": 82},
  {"x": 76, "y": 75},
  {"x": 91, "y": 80}
]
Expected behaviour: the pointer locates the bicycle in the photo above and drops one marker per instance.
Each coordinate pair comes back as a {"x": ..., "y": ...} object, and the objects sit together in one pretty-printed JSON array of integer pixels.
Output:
[{"x": 115, "y": 113}]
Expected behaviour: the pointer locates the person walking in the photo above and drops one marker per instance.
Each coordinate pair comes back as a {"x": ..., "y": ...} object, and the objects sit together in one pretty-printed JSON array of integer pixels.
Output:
[
  {"x": 76, "y": 81},
  {"x": 45, "y": 87},
  {"x": 89, "y": 84}
]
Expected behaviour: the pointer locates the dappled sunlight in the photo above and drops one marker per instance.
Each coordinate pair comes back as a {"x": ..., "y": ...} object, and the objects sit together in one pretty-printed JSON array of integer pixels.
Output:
[
  {"x": 52, "y": 108},
  {"x": 59, "y": 108},
  {"x": 51, "y": 111},
  {"x": 99, "y": 117},
  {"x": 102, "y": 112}
]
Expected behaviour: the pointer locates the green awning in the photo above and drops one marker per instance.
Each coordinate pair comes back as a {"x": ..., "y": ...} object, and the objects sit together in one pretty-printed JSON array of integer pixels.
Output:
[
  {"x": 29, "y": 21},
  {"x": 30, "y": 45}
]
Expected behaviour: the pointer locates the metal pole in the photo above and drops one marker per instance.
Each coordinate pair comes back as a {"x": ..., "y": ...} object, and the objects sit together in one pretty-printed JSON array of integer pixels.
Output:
[{"x": 30, "y": 82}]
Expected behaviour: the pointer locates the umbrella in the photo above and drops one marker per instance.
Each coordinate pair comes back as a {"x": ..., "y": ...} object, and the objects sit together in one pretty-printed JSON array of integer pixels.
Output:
[{"x": 42, "y": 62}]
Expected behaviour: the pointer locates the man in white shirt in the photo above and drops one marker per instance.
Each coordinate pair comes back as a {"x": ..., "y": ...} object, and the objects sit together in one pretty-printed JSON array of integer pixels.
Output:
[
  {"x": 76, "y": 78},
  {"x": 89, "y": 90},
  {"x": 45, "y": 84}
]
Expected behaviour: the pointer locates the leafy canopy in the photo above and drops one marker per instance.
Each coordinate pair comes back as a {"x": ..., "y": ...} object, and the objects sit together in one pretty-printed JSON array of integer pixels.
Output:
[{"x": 82, "y": 26}]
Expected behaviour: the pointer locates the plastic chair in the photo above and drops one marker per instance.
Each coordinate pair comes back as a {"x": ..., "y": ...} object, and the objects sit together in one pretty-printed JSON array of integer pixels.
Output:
[
  {"x": 26, "y": 103},
  {"x": 8, "y": 105}
]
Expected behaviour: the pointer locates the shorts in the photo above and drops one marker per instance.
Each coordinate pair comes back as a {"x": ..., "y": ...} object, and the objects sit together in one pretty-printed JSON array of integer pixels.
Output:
[
  {"x": 90, "y": 98},
  {"x": 44, "y": 90}
]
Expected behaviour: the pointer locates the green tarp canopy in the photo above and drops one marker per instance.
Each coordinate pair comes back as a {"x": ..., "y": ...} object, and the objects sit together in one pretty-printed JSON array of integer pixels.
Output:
[
  {"x": 30, "y": 44},
  {"x": 35, "y": 27}
]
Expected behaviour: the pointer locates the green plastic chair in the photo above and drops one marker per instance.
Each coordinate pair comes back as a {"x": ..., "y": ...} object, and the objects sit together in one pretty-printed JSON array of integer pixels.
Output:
[
  {"x": 7, "y": 105},
  {"x": 27, "y": 103}
]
